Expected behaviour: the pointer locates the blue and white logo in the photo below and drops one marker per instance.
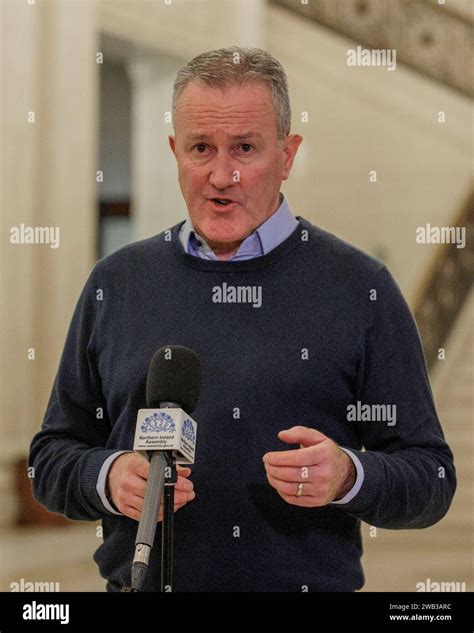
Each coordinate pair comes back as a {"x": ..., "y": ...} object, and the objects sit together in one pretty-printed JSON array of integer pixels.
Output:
[
  {"x": 158, "y": 423},
  {"x": 188, "y": 431}
]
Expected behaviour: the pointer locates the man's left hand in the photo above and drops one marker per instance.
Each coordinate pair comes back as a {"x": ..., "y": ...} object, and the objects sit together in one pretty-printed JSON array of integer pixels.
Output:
[{"x": 320, "y": 470}]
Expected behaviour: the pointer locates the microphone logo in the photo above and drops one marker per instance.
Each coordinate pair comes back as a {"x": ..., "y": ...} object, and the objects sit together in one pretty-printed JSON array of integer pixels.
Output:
[
  {"x": 158, "y": 422},
  {"x": 188, "y": 431}
]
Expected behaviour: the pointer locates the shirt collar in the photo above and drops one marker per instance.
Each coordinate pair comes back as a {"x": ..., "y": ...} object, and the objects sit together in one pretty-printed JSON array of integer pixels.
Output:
[{"x": 265, "y": 238}]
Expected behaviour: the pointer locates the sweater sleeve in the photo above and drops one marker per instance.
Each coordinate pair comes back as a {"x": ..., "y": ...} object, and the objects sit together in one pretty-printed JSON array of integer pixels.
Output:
[
  {"x": 409, "y": 476},
  {"x": 68, "y": 452}
]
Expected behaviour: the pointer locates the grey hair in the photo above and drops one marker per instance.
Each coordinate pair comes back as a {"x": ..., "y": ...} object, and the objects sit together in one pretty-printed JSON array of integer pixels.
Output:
[{"x": 235, "y": 65}]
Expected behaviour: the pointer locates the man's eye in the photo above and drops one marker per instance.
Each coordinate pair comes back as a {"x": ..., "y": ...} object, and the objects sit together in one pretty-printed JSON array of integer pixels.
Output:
[
  {"x": 200, "y": 147},
  {"x": 246, "y": 148}
]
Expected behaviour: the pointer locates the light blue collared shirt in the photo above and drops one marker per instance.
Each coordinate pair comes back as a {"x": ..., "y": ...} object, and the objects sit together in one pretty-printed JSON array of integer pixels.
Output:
[{"x": 265, "y": 238}]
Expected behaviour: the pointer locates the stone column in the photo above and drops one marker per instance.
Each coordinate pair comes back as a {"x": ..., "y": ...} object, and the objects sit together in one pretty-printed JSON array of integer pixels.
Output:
[
  {"x": 156, "y": 197},
  {"x": 49, "y": 99}
]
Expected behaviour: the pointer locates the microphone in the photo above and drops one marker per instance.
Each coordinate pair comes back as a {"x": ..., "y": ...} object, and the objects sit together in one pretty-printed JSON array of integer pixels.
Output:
[{"x": 165, "y": 428}]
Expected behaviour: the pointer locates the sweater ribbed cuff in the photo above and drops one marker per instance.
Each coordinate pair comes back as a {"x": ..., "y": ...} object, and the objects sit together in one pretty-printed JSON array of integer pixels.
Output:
[
  {"x": 88, "y": 480},
  {"x": 101, "y": 486},
  {"x": 358, "y": 481},
  {"x": 372, "y": 485}
]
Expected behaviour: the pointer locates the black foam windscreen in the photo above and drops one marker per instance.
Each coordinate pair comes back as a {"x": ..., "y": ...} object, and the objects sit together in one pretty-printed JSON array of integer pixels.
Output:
[{"x": 174, "y": 376}]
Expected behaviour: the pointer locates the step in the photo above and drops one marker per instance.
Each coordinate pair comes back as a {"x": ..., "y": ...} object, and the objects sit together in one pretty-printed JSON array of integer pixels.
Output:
[{"x": 25, "y": 550}]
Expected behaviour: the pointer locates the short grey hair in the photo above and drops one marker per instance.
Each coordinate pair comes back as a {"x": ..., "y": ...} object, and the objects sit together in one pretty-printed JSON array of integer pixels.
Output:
[{"x": 236, "y": 65}]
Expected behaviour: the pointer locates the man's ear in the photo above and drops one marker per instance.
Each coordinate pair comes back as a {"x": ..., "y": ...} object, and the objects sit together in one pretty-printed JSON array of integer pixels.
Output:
[
  {"x": 172, "y": 144},
  {"x": 290, "y": 147}
]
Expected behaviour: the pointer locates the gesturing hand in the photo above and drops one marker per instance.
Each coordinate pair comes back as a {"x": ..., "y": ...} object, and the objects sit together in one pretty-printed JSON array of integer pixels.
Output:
[{"x": 311, "y": 476}]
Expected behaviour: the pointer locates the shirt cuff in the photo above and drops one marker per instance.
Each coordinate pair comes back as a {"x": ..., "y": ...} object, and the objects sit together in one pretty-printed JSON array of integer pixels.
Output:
[
  {"x": 102, "y": 480},
  {"x": 358, "y": 482}
]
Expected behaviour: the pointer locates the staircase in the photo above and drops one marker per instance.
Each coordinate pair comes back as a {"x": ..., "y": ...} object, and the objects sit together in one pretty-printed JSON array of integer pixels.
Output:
[
  {"x": 431, "y": 38},
  {"x": 396, "y": 560}
]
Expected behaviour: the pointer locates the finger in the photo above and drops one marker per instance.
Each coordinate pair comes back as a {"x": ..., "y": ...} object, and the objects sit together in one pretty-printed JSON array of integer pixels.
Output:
[
  {"x": 131, "y": 513},
  {"x": 180, "y": 503},
  {"x": 184, "y": 497},
  {"x": 134, "y": 484},
  {"x": 303, "y": 501},
  {"x": 140, "y": 466},
  {"x": 289, "y": 473},
  {"x": 176, "y": 508},
  {"x": 134, "y": 508},
  {"x": 295, "y": 458},
  {"x": 184, "y": 484},
  {"x": 183, "y": 471},
  {"x": 302, "y": 435},
  {"x": 134, "y": 502},
  {"x": 133, "y": 492},
  {"x": 289, "y": 488}
]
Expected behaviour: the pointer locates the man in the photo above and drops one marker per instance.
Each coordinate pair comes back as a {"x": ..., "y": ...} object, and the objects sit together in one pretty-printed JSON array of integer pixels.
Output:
[{"x": 309, "y": 354}]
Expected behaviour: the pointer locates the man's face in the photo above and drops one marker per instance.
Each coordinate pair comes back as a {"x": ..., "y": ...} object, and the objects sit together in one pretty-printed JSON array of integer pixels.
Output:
[{"x": 227, "y": 148}]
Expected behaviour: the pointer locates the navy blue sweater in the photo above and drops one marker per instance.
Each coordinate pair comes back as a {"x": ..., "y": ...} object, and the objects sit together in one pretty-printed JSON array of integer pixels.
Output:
[{"x": 320, "y": 341}]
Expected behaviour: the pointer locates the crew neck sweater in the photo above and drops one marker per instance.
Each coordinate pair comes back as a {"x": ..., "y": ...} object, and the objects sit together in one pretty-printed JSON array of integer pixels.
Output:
[{"x": 293, "y": 337}]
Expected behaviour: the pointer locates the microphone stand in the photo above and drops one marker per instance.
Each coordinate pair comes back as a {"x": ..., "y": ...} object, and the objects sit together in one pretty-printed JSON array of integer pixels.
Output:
[
  {"x": 166, "y": 478},
  {"x": 171, "y": 477},
  {"x": 162, "y": 477}
]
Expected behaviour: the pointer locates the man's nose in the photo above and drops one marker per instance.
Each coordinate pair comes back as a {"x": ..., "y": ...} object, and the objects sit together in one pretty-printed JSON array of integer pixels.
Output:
[{"x": 222, "y": 172}]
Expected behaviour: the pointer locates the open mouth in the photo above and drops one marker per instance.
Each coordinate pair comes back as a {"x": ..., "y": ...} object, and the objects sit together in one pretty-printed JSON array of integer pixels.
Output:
[{"x": 222, "y": 202}]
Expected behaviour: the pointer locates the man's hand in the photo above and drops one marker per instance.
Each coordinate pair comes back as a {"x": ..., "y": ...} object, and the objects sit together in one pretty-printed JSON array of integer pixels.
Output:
[
  {"x": 126, "y": 482},
  {"x": 325, "y": 471}
]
